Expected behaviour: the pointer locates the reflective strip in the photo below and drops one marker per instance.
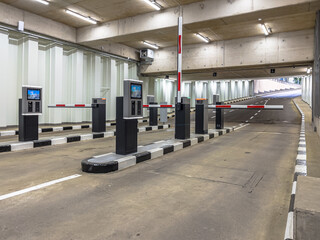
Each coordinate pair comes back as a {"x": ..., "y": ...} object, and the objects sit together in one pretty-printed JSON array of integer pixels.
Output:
[
  {"x": 256, "y": 106},
  {"x": 274, "y": 107},
  {"x": 158, "y": 106}
]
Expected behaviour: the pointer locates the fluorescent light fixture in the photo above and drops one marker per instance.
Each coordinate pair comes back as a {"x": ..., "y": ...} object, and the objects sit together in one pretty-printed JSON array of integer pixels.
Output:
[
  {"x": 150, "y": 45},
  {"x": 88, "y": 19},
  {"x": 154, "y": 4},
  {"x": 309, "y": 70},
  {"x": 205, "y": 39},
  {"x": 43, "y": 2},
  {"x": 265, "y": 29}
]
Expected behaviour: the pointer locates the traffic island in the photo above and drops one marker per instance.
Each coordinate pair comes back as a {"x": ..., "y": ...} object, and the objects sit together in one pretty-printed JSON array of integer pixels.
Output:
[{"x": 111, "y": 162}]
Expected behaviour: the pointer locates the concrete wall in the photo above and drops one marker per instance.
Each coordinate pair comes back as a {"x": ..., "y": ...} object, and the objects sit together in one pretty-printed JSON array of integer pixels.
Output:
[
  {"x": 11, "y": 15},
  {"x": 67, "y": 76},
  {"x": 165, "y": 90},
  {"x": 201, "y": 13},
  {"x": 278, "y": 48},
  {"x": 316, "y": 77},
  {"x": 269, "y": 85},
  {"x": 307, "y": 89}
]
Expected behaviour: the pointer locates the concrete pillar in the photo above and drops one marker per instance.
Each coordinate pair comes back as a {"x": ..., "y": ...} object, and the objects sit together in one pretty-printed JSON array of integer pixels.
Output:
[
  {"x": 316, "y": 76},
  {"x": 233, "y": 89},
  {"x": 4, "y": 50},
  {"x": 222, "y": 90},
  {"x": 97, "y": 76},
  {"x": 303, "y": 88},
  {"x": 113, "y": 89},
  {"x": 77, "y": 86},
  {"x": 29, "y": 61},
  {"x": 54, "y": 84}
]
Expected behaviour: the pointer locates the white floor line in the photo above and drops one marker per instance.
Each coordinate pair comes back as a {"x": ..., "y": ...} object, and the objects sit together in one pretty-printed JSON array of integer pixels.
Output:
[
  {"x": 241, "y": 126},
  {"x": 37, "y": 187},
  {"x": 213, "y": 117},
  {"x": 251, "y": 117}
]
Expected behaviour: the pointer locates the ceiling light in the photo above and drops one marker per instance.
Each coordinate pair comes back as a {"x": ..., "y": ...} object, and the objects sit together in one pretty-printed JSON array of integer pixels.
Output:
[
  {"x": 151, "y": 45},
  {"x": 43, "y": 2},
  {"x": 265, "y": 29},
  {"x": 309, "y": 70},
  {"x": 154, "y": 4},
  {"x": 205, "y": 39},
  {"x": 88, "y": 19}
]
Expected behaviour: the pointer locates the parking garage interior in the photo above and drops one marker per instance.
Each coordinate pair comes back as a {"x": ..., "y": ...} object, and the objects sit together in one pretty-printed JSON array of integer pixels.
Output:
[{"x": 159, "y": 119}]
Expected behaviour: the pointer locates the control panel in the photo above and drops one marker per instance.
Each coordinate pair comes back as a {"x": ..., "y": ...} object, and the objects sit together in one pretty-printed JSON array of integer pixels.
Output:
[
  {"x": 132, "y": 99},
  {"x": 98, "y": 101},
  {"x": 31, "y": 100}
]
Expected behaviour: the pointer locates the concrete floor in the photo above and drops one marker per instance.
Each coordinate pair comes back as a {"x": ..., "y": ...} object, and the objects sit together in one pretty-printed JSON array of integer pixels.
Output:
[{"x": 236, "y": 186}]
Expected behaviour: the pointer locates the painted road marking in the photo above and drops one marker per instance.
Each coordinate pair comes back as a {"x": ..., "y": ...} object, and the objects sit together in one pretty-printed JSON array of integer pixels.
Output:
[
  {"x": 37, "y": 187},
  {"x": 241, "y": 126},
  {"x": 251, "y": 117},
  {"x": 213, "y": 117}
]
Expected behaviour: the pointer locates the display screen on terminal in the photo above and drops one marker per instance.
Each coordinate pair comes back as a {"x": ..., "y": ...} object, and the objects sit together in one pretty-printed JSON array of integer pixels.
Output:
[
  {"x": 33, "y": 94},
  {"x": 136, "y": 91}
]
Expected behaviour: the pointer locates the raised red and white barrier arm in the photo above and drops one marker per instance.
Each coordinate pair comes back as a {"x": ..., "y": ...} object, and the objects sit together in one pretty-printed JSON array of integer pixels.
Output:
[
  {"x": 179, "y": 60},
  {"x": 70, "y": 106},
  {"x": 158, "y": 106},
  {"x": 267, "y": 107}
]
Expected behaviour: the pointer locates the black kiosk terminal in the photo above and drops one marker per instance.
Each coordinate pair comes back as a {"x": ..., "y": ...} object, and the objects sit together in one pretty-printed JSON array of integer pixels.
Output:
[
  {"x": 30, "y": 108},
  {"x": 129, "y": 109}
]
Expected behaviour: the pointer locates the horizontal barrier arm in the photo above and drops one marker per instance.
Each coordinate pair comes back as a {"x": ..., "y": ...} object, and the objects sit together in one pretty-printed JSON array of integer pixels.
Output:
[
  {"x": 158, "y": 106},
  {"x": 262, "y": 107},
  {"x": 70, "y": 106}
]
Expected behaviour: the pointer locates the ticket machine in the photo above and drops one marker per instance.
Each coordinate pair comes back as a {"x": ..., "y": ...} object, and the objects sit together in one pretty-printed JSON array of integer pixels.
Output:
[
  {"x": 219, "y": 116},
  {"x": 98, "y": 114},
  {"x": 128, "y": 110},
  {"x": 201, "y": 116},
  {"x": 153, "y": 112},
  {"x": 30, "y": 108}
]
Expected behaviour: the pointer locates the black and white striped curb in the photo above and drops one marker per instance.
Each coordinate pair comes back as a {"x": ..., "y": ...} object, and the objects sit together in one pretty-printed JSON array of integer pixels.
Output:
[
  {"x": 300, "y": 170},
  {"x": 59, "y": 129},
  {"x": 129, "y": 161},
  {"x": 62, "y": 140}
]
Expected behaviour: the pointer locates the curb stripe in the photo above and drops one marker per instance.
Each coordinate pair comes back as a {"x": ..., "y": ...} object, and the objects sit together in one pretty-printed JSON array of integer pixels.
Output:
[
  {"x": 62, "y": 140},
  {"x": 299, "y": 170},
  {"x": 130, "y": 161}
]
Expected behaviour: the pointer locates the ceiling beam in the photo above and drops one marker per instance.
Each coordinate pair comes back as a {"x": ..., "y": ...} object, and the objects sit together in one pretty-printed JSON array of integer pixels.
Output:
[
  {"x": 277, "y": 49},
  {"x": 193, "y": 14}
]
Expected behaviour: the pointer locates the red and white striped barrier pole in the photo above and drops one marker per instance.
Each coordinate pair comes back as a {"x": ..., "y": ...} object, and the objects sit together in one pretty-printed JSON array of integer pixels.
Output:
[
  {"x": 70, "y": 106},
  {"x": 268, "y": 107},
  {"x": 158, "y": 106},
  {"x": 179, "y": 62}
]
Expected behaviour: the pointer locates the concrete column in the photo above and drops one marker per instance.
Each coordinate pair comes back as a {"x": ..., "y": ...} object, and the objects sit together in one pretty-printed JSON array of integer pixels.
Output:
[
  {"x": 97, "y": 78},
  {"x": 316, "y": 76},
  {"x": 303, "y": 88},
  {"x": 233, "y": 86},
  {"x": 77, "y": 86},
  {"x": 4, "y": 50},
  {"x": 29, "y": 61},
  {"x": 145, "y": 93},
  {"x": 54, "y": 84},
  {"x": 310, "y": 90},
  {"x": 113, "y": 88},
  {"x": 223, "y": 90}
]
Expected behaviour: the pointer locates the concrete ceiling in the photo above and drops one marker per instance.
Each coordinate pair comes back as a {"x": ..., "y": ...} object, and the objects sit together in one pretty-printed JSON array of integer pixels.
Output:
[
  {"x": 241, "y": 26},
  {"x": 250, "y": 72},
  {"x": 101, "y": 10}
]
